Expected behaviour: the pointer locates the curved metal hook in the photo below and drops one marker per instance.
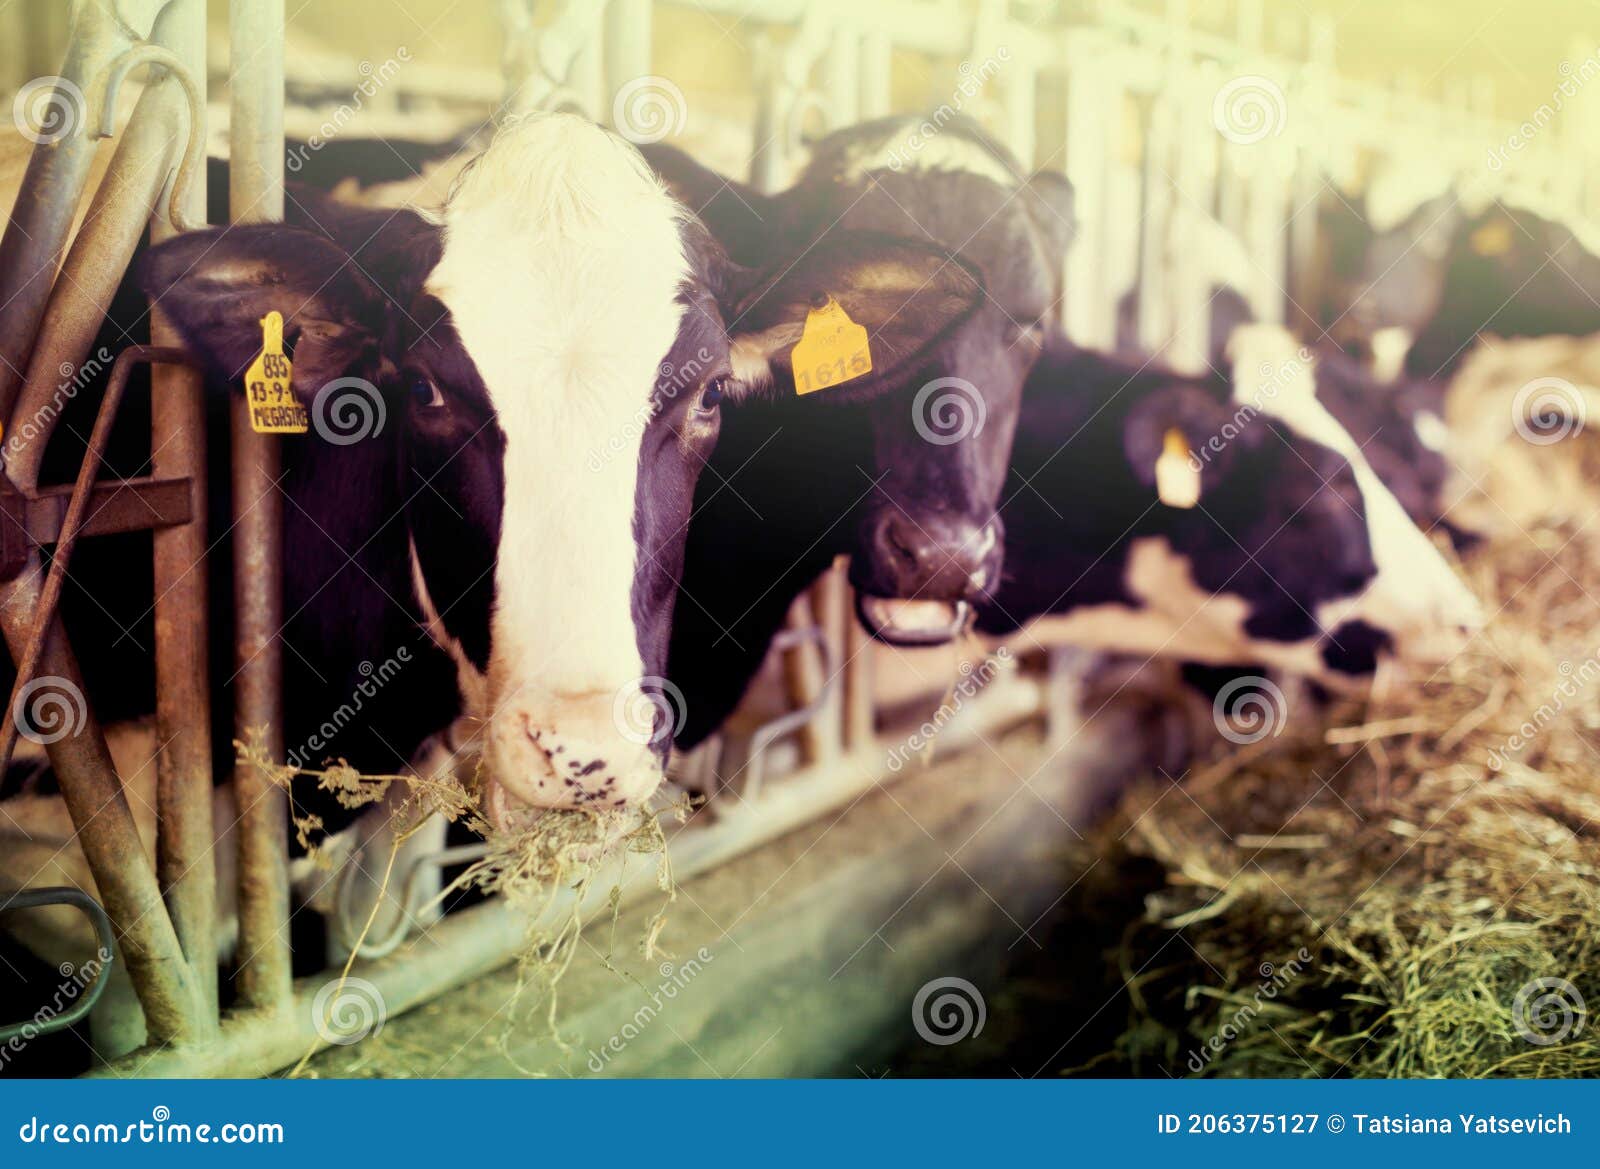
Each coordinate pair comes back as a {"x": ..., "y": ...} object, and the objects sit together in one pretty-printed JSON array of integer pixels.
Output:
[
  {"x": 65, "y": 895},
  {"x": 106, "y": 88}
]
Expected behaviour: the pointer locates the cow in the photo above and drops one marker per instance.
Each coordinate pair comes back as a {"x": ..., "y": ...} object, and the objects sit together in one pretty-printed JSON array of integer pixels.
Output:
[
  {"x": 566, "y": 304},
  {"x": 903, "y": 476},
  {"x": 1221, "y": 519},
  {"x": 1456, "y": 266}
]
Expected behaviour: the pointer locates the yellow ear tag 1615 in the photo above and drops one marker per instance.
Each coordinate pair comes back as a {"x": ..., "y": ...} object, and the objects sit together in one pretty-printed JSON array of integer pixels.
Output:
[
  {"x": 1177, "y": 478},
  {"x": 831, "y": 351},
  {"x": 1493, "y": 238},
  {"x": 273, "y": 406}
]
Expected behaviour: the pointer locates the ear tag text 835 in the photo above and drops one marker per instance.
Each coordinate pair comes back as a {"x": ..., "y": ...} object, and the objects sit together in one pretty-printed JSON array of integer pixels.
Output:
[
  {"x": 273, "y": 406},
  {"x": 832, "y": 350}
]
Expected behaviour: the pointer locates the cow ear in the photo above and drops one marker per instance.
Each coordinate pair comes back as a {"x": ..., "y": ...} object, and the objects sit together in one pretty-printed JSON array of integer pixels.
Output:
[
  {"x": 906, "y": 296},
  {"x": 216, "y": 286},
  {"x": 1176, "y": 441},
  {"x": 1048, "y": 198}
]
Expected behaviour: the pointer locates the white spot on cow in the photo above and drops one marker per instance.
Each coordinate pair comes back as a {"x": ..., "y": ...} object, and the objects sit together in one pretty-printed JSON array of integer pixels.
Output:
[
  {"x": 562, "y": 266},
  {"x": 1415, "y": 595}
]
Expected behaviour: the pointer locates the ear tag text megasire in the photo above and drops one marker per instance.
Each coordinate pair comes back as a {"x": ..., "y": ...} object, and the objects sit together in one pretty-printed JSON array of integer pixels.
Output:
[
  {"x": 1177, "y": 478},
  {"x": 832, "y": 350},
  {"x": 273, "y": 406}
]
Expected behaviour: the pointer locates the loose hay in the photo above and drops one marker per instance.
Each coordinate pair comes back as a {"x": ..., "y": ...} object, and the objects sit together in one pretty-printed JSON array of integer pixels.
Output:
[
  {"x": 554, "y": 855},
  {"x": 1382, "y": 898}
]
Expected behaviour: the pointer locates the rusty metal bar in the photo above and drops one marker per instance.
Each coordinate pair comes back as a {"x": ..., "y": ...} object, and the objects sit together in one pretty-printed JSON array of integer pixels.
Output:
[
  {"x": 117, "y": 505},
  {"x": 35, "y": 239},
  {"x": 255, "y": 194},
  {"x": 185, "y": 859},
  {"x": 44, "y": 610}
]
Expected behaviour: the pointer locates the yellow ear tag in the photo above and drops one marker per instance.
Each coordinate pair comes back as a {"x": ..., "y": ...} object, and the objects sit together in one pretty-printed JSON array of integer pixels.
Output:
[
  {"x": 273, "y": 406},
  {"x": 1493, "y": 238},
  {"x": 1177, "y": 478},
  {"x": 831, "y": 351}
]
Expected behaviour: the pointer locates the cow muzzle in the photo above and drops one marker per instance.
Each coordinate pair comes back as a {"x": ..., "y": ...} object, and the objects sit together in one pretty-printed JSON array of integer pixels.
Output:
[
  {"x": 922, "y": 574},
  {"x": 573, "y": 754}
]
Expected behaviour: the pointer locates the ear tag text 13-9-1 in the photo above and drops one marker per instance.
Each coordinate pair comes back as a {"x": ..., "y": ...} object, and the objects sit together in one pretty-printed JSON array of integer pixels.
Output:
[
  {"x": 273, "y": 406},
  {"x": 832, "y": 350}
]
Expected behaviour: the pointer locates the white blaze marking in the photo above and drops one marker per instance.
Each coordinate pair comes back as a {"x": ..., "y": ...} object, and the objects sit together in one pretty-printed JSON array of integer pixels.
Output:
[{"x": 561, "y": 270}]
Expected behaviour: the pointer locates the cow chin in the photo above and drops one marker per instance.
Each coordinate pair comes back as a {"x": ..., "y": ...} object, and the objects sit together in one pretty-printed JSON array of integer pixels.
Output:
[{"x": 567, "y": 761}]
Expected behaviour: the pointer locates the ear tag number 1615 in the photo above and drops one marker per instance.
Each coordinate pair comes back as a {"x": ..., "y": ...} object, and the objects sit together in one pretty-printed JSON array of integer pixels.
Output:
[
  {"x": 832, "y": 350},
  {"x": 273, "y": 407}
]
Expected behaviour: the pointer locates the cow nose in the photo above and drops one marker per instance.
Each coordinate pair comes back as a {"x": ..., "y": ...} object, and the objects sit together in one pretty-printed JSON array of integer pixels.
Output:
[
  {"x": 936, "y": 557},
  {"x": 568, "y": 758}
]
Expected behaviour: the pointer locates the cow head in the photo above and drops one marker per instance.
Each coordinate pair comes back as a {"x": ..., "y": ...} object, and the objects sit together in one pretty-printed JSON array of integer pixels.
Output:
[
  {"x": 928, "y": 538},
  {"x": 550, "y": 357},
  {"x": 1295, "y": 552}
]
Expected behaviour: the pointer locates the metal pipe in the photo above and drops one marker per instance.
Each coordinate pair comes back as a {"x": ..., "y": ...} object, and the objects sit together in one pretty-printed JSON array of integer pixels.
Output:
[
  {"x": 185, "y": 842},
  {"x": 94, "y": 269},
  {"x": 468, "y": 945},
  {"x": 36, "y": 237},
  {"x": 84, "y": 1003},
  {"x": 255, "y": 194}
]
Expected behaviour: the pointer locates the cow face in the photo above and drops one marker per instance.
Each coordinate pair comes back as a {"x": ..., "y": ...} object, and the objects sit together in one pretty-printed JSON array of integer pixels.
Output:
[
  {"x": 928, "y": 538},
  {"x": 1215, "y": 520},
  {"x": 550, "y": 359}
]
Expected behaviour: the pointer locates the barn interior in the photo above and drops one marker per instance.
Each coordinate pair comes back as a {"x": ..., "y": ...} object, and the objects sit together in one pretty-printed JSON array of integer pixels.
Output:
[{"x": 1013, "y": 854}]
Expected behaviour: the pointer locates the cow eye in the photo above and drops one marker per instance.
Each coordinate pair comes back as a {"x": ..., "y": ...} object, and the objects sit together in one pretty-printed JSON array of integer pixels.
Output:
[
  {"x": 711, "y": 396},
  {"x": 425, "y": 394}
]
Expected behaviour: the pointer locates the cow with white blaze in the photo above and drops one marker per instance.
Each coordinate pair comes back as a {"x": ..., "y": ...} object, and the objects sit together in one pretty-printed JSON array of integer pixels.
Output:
[
  {"x": 563, "y": 303},
  {"x": 1220, "y": 520}
]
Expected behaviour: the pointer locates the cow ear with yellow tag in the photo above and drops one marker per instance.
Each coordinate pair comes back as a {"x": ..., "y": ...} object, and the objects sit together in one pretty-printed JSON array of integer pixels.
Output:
[
  {"x": 848, "y": 313},
  {"x": 1168, "y": 442},
  {"x": 277, "y": 311}
]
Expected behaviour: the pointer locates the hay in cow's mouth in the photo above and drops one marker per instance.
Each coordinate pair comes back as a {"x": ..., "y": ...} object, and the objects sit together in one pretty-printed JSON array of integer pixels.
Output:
[{"x": 1409, "y": 891}]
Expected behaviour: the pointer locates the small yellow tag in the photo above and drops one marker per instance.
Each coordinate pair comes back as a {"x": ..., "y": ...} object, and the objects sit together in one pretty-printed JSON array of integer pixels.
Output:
[
  {"x": 1177, "y": 478},
  {"x": 273, "y": 406},
  {"x": 1493, "y": 238},
  {"x": 831, "y": 351}
]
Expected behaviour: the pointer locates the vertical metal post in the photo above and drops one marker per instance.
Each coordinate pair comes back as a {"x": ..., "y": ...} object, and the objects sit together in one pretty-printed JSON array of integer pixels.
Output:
[
  {"x": 185, "y": 843},
  {"x": 628, "y": 34},
  {"x": 255, "y": 194},
  {"x": 877, "y": 73},
  {"x": 1088, "y": 311}
]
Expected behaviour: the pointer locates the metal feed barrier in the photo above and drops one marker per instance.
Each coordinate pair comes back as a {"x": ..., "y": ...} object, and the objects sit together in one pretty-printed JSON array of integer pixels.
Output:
[{"x": 1125, "y": 105}]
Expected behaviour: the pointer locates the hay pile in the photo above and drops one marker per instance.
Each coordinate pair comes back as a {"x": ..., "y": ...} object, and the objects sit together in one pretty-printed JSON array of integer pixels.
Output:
[{"x": 1381, "y": 895}]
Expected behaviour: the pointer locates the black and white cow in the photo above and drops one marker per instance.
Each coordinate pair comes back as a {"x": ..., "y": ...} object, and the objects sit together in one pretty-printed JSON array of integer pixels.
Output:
[
  {"x": 903, "y": 474},
  {"x": 565, "y": 304},
  {"x": 1215, "y": 519},
  {"x": 1451, "y": 270}
]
